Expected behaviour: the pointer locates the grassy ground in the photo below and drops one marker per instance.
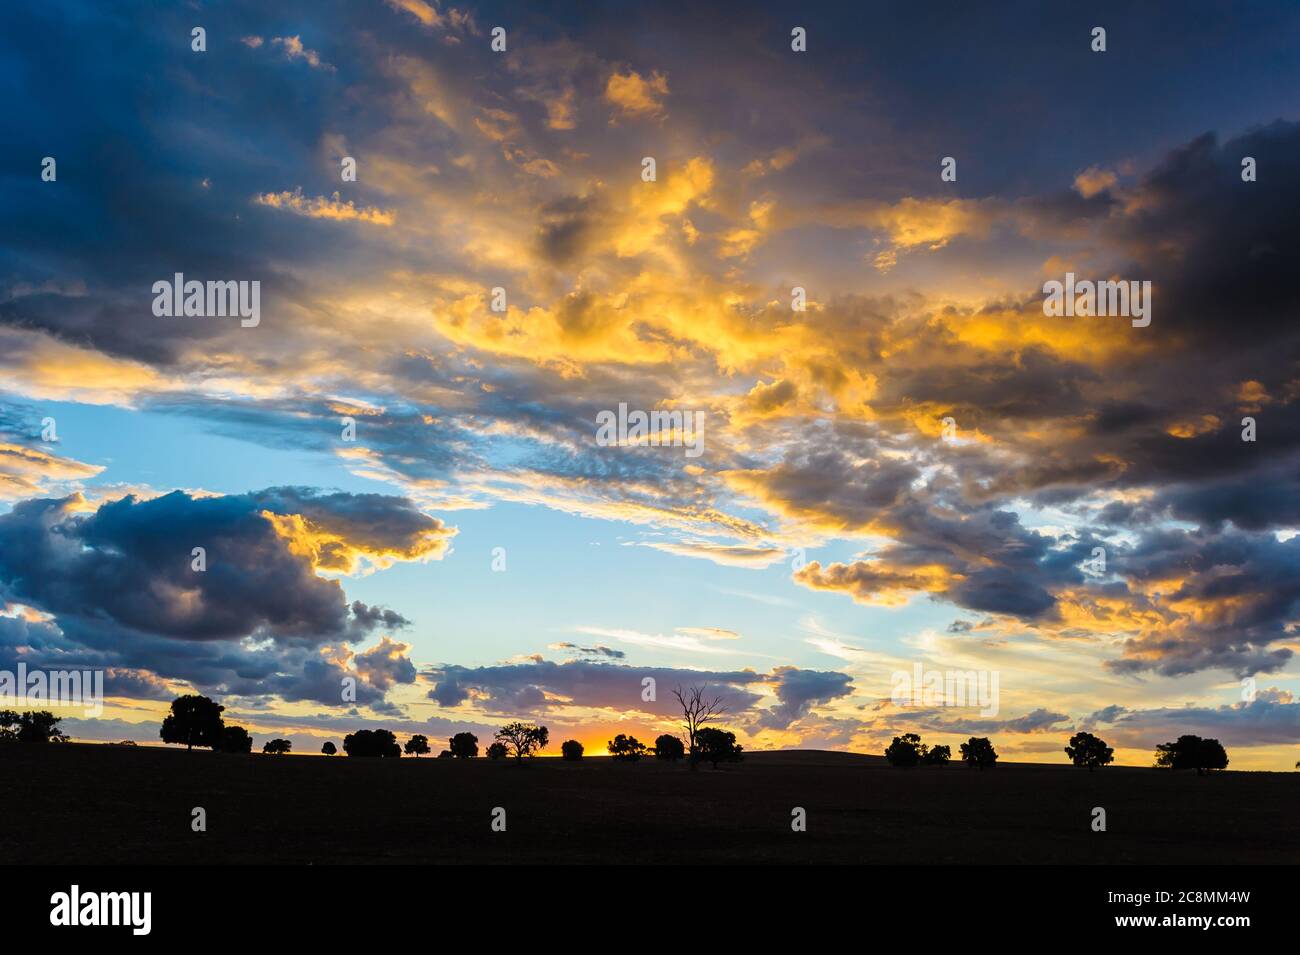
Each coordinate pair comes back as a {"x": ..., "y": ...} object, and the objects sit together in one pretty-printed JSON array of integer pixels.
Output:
[{"x": 80, "y": 803}]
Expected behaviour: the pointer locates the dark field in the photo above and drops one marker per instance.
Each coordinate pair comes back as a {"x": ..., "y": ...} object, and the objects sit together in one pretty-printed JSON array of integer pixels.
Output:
[{"x": 79, "y": 803}]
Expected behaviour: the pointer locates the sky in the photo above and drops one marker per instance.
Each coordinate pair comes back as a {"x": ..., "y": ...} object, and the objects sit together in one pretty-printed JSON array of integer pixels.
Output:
[{"x": 901, "y": 460}]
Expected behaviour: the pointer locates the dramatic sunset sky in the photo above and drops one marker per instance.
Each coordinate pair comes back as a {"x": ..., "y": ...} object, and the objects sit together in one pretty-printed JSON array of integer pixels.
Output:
[{"x": 828, "y": 535}]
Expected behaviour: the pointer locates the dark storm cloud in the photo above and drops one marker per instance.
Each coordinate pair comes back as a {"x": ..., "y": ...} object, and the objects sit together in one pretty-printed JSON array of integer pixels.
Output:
[
  {"x": 1233, "y": 596},
  {"x": 119, "y": 585},
  {"x": 980, "y": 557},
  {"x": 1220, "y": 246},
  {"x": 1258, "y": 501},
  {"x": 1036, "y": 384},
  {"x": 1247, "y": 589},
  {"x": 1242, "y": 584},
  {"x": 1164, "y": 418},
  {"x": 115, "y": 328},
  {"x": 157, "y": 172},
  {"x": 828, "y": 483},
  {"x": 1116, "y": 417},
  {"x": 1002, "y": 590},
  {"x": 1222, "y": 254},
  {"x": 130, "y": 561}
]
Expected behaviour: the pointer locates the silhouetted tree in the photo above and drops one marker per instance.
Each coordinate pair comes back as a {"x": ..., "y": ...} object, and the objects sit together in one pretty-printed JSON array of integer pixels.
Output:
[
  {"x": 978, "y": 751},
  {"x": 277, "y": 747},
  {"x": 669, "y": 747},
  {"x": 446, "y": 754},
  {"x": 626, "y": 748},
  {"x": 905, "y": 750},
  {"x": 417, "y": 745},
  {"x": 194, "y": 721},
  {"x": 937, "y": 756},
  {"x": 496, "y": 751},
  {"x": 523, "y": 739},
  {"x": 372, "y": 744},
  {"x": 1087, "y": 750},
  {"x": 463, "y": 745},
  {"x": 571, "y": 749},
  {"x": 718, "y": 746},
  {"x": 329, "y": 749},
  {"x": 33, "y": 726},
  {"x": 235, "y": 739},
  {"x": 697, "y": 709},
  {"x": 1192, "y": 752}
]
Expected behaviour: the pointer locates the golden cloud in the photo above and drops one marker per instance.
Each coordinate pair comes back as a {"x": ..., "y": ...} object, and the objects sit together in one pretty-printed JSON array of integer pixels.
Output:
[
  {"x": 26, "y": 472},
  {"x": 323, "y": 208},
  {"x": 634, "y": 95}
]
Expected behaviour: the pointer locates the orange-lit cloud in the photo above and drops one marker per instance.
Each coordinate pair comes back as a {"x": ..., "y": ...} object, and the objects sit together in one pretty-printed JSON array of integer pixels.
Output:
[{"x": 635, "y": 95}]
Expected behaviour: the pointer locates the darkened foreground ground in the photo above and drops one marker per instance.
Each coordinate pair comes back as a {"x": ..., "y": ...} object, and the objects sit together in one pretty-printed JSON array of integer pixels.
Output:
[{"x": 107, "y": 804}]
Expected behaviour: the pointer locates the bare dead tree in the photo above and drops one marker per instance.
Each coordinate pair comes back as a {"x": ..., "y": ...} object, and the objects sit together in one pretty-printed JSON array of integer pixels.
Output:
[{"x": 697, "y": 709}]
